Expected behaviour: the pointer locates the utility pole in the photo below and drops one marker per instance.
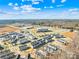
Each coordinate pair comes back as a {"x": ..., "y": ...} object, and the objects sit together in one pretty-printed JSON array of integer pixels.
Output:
[{"x": 18, "y": 57}]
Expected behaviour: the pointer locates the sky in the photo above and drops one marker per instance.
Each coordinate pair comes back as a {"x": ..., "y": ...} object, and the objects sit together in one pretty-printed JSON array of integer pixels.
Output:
[{"x": 39, "y": 9}]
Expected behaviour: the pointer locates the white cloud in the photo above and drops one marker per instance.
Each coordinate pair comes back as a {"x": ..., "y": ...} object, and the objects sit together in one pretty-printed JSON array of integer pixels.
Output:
[
  {"x": 35, "y": 2},
  {"x": 62, "y": 1},
  {"x": 2, "y": 12},
  {"x": 10, "y": 4},
  {"x": 73, "y": 9},
  {"x": 51, "y": 7},
  {"x": 76, "y": 12},
  {"x": 53, "y": 1},
  {"x": 71, "y": 13},
  {"x": 16, "y": 4},
  {"x": 13, "y": 13},
  {"x": 16, "y": 8},
  {"x": 45, "y": 7},
  {"x": 25, "y": 7},
  {"x": 48, "y": 7},
  {"x": 8, "y": 13},
  {"x": 29, "y": 8},
  {"x": 60, "y": 5},
  {"x": 23, "y": 0},
  {"x": 47, "y": 15}
]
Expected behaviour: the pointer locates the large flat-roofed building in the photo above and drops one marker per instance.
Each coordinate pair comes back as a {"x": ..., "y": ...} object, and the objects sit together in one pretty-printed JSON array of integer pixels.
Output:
[
  {"x": 43, "y": 30},
  {"x": 7, "y": 54},
  {"x": 24, "y": 47}
]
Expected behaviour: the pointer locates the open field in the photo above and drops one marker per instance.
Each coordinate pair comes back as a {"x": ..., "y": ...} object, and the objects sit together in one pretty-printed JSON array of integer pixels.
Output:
[{"x": 7, "y": 29}]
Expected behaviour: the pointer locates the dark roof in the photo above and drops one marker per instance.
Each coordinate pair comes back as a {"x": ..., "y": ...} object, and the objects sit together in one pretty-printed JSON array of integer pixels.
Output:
[
  {"x": 1, "y": 48},
  {"x": 23, "y": 41},
  {"x": 24, "y": 47},
  {"x": 6, "y": 54},
  {"x": 43, "y": 30}
]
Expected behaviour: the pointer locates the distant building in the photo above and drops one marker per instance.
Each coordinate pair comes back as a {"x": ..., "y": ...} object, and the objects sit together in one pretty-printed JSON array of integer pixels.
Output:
[{"x": 43, "y": 30}]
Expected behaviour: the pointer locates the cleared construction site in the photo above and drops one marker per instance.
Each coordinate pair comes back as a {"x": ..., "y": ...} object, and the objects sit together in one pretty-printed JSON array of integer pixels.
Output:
[{"x": 40, "y": 40}]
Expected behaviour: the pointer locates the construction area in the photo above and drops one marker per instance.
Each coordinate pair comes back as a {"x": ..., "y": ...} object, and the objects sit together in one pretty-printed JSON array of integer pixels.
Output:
[{"x": 33, "y": 41}]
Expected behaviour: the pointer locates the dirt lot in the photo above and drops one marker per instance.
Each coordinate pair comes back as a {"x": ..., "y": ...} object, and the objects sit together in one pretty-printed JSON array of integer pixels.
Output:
[{"x": 8, "y": 29}]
